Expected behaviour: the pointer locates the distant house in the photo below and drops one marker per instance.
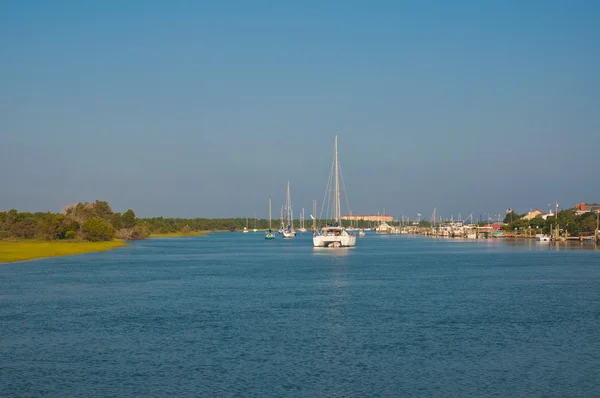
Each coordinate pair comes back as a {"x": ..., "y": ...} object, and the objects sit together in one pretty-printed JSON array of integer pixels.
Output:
[
  {"x": 368, "y": 217},
  {"x": 533, "y": 214},
  {"x": 545, "y": 216},
  {"x": 582, "y": 208}
]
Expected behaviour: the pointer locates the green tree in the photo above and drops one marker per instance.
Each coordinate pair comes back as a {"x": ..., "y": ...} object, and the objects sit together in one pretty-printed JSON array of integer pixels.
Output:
[
  {"x": 102, "y": 209},
  {"x": 96, "y": 229},
  {"x": 511, "y": 217},
  {"x": 117, "y": 220},
  {"x": 128, "y": 219}
]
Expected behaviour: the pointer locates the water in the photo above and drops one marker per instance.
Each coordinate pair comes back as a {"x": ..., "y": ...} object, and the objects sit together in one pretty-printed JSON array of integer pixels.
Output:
[{"x": 234, "y": 315}]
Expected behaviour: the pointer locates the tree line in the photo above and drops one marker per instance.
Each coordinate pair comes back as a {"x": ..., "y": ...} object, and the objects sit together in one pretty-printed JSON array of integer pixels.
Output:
[
  {"x": 583, "y": 224},
  {"x": 82, "y": 221},
  {"x": 168, "y": 225}
]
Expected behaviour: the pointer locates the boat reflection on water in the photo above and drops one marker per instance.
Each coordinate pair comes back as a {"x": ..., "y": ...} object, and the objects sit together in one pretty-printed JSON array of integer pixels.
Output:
[{"x": 333, "y": 252}]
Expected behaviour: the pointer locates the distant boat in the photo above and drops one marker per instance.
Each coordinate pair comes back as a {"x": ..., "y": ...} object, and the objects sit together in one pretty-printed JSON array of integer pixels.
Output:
[
  {"x": 361, "y": 233},
  {"x": 334, "y": 235},
  {"x": 246, "y": 227},
  {"x": 302, "y": 229},
  {"x": 280, "y": 231},
  {"x": 255, "y": 230},
  {"x": 288, "y": 232},
  {"x": 383, "y": 228},
  {"x": 269, "y": 235},
  {"x": 543, "y": 238}
]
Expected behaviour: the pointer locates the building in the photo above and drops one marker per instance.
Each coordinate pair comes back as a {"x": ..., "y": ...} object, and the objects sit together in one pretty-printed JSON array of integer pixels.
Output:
[
  {"x": 548, "y": 215},
  {"x": 533, "y": 214},
  {"x": 582, "y": 208},
  {"x": 368, "y": 217}
]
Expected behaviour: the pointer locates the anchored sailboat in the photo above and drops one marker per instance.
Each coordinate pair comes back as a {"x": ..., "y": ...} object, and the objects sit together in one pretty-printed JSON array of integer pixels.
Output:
[
  {"x": 281, "y": 219},
  {"x": 302, "y": 229},
  {"x": 334, "y": 234},
  {"x": 288, "y": 231},
  {"x": 269, "y": 234},
  {"x": 246, "y": 227}
]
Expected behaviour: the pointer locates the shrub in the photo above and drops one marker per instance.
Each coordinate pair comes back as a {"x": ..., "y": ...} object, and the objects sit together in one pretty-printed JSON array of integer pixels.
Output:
[
  {"x": 70, "y": 235},
  {"x": 96, "y": 230}
]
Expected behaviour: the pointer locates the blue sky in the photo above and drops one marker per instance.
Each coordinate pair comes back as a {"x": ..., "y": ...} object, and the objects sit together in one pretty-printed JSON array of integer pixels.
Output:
[{"x": 207, "y": 109}]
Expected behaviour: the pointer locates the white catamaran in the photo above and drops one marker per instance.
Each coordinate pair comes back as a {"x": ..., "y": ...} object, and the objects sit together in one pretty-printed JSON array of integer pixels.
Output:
[
  {"x": 288, "y": 230},
  {"x": 334, "y": 234}
]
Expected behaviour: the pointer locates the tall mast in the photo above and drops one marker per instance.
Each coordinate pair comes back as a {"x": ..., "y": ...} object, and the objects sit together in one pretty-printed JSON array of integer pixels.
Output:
[
  {"x": 289, "y": 208},
  {"x": 314, "y": 214},
  {"x": 337, "y": 183},
  {"x": 302, "y": 226},
  {"x": 269, "y": 213}
]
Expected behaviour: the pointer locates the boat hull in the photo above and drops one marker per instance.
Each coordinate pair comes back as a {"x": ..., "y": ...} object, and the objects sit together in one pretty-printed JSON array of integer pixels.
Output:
[
  {"x": 543, "y": 238},
  {"x": 289, "y": 234},
  {"x": 334, "y": 241}
]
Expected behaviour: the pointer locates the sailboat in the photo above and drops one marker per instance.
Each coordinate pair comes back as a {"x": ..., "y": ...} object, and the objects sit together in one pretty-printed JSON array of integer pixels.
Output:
[
  {"x": 280, "y": 231},
  {"x": 246, "y": 227},
  {"x": 351, "y": 227},
  {"x": 288, "y": 231},
  {"x": 334, "y": 234},
  {"x": 269, "y": 234},
  {"x": 302, "y": 229},
  {"x": 254, "y": 230}
]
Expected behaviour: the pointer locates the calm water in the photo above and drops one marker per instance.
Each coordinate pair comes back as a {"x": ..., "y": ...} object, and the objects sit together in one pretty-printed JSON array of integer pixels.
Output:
[{"x": 234, "y": 315}]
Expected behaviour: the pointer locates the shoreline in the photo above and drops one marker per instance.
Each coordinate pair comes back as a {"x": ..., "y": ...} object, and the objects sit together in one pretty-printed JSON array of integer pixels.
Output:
[
  {"x": 12, "y": 251},
  {"x": 177, "y": 234}
]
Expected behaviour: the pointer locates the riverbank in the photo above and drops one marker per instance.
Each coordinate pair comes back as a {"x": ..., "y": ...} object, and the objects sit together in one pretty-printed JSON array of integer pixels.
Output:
[
  {"x": 177, "y": 234},
  {"x": 21, "y": 250}
]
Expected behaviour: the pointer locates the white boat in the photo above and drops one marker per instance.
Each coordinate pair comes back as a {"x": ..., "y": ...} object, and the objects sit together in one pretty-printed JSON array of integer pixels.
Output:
[
  {"x": 543, "y": 238},
  {"x": 246, "y": 227},
  {"x": 255, "y": 229},
  {"x": 334, "y": 234},
  {"x": 280, "y": 230},
  {"x": 383, "y": 228},
  {"x": 269, "y": 234},
  {"x": 361, "y": 233},
  {"x": 288, "y": 231},
  {"x": 302, "y": 229}
]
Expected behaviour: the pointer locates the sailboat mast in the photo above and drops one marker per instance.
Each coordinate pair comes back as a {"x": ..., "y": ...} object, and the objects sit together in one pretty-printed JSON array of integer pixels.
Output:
[
  {"x": 314, "y": 214},
  {"x": 269, "y": 214},
  {"x": 337, "y": 183},
  {"x": 290, "y": 214}
]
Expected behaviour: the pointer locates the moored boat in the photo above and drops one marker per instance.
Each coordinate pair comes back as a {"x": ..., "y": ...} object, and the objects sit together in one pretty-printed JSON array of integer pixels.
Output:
[
  {"x": 334, "y": 234},
  {"x": 289, "y": 232},
  {"x": 269, "y": 234}
]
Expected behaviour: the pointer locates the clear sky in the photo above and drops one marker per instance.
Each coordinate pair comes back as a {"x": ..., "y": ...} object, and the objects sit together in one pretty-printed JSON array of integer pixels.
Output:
[{"x": 208, "y": 108}]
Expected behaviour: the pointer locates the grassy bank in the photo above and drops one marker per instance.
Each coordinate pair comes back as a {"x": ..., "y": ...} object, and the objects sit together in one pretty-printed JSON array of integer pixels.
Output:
[
  {"x": 178, "y": 234},
  {"x": 19, "y": 250}
]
